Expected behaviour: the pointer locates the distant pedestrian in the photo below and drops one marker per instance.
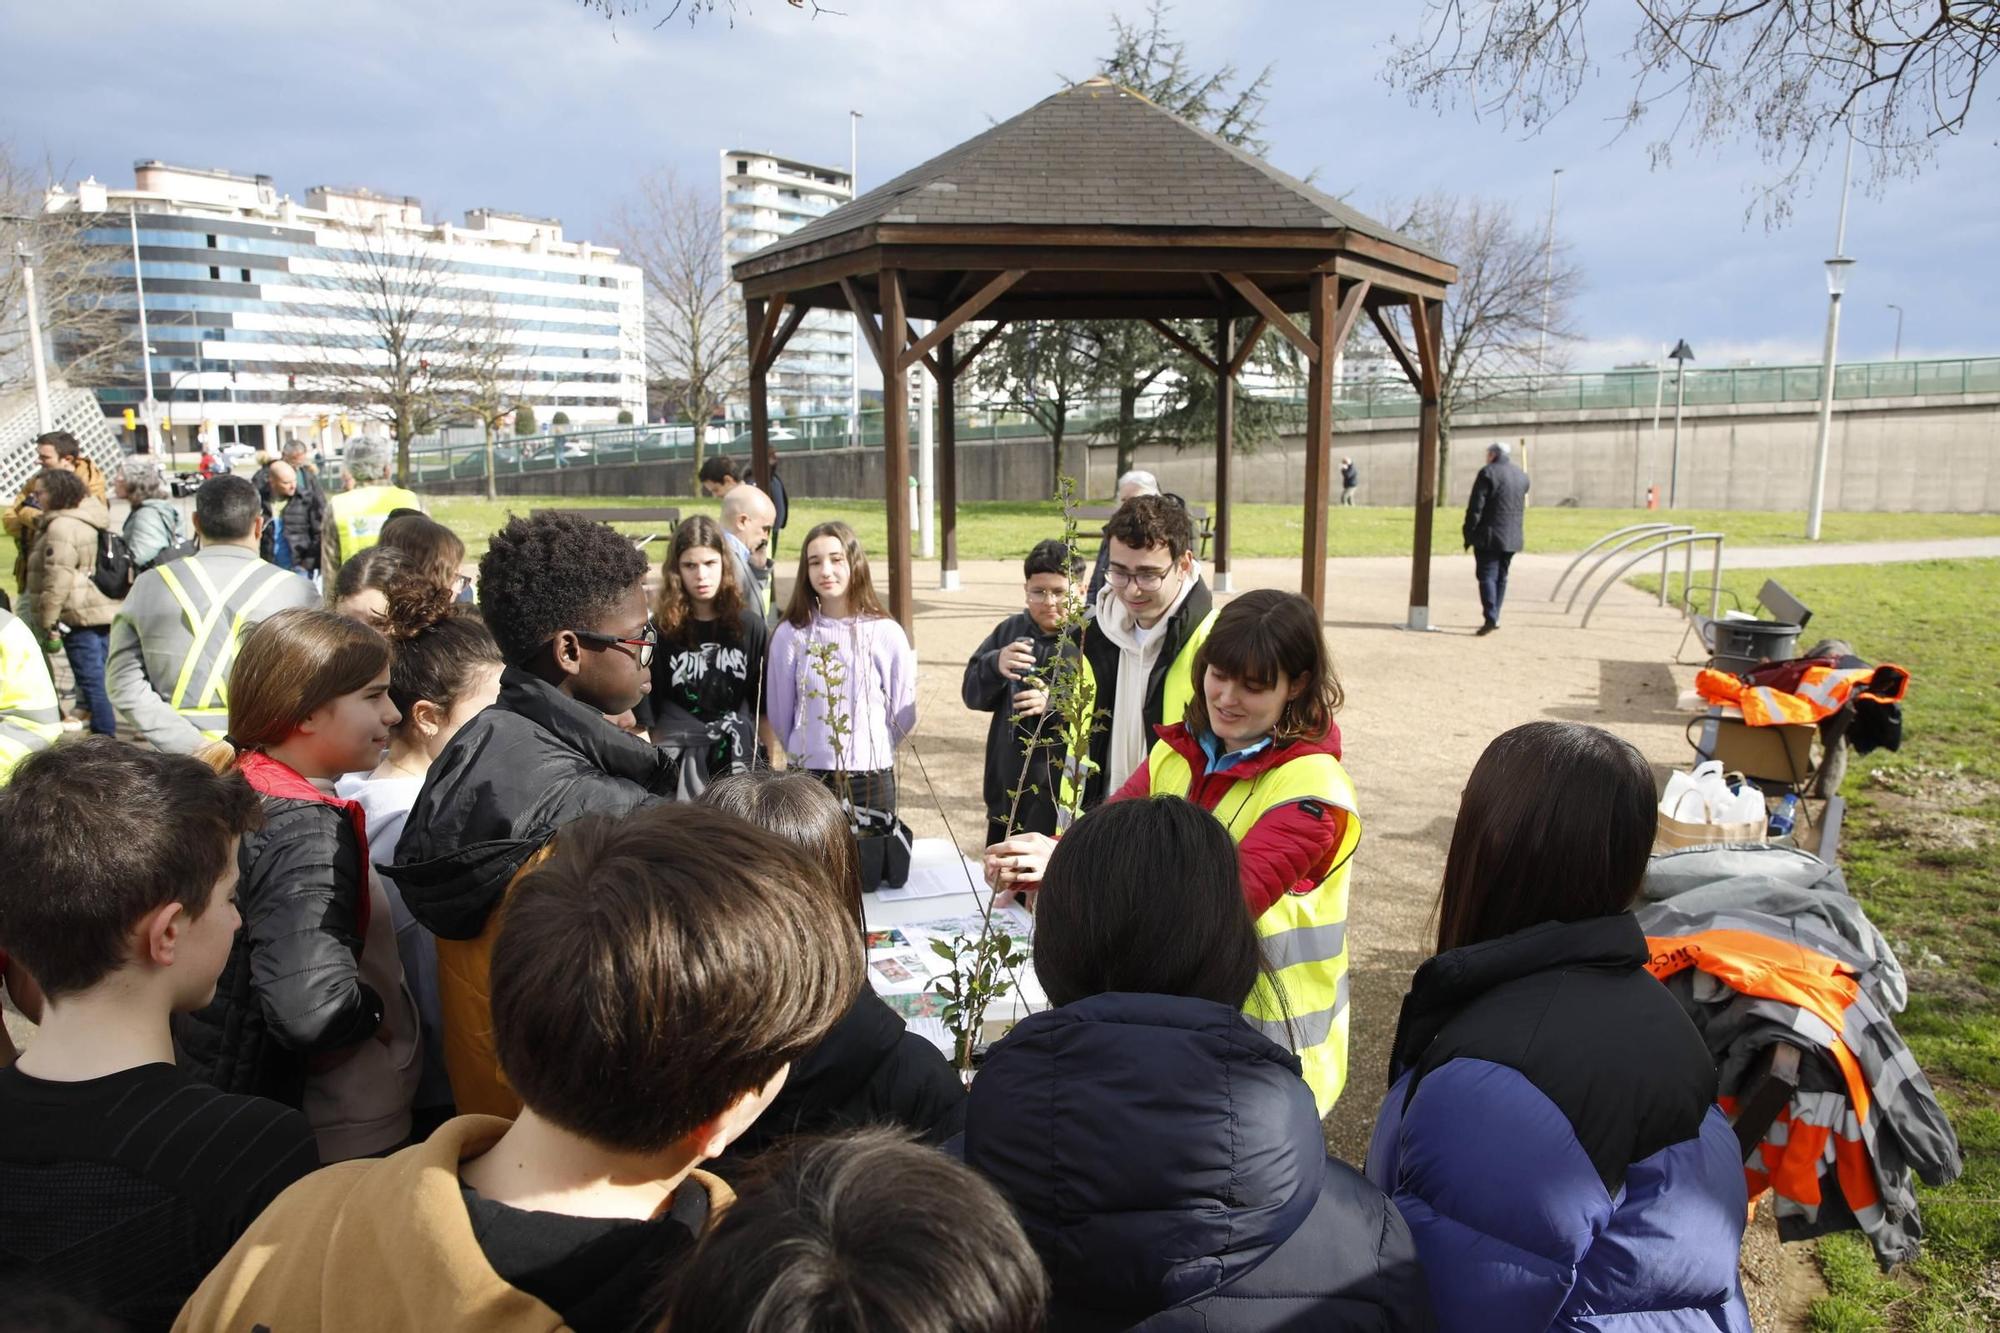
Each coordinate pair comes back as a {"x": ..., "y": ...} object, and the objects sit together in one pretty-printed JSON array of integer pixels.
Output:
[
  {"x": 354, "y": 518},
  {"x": 1492, "y": 528},
  {"x": 1132, "y": 483},
  {"x": 71, "y": 612},
  {"x": 718, "y": 476},
  {"x": 1350, "y": 480}
]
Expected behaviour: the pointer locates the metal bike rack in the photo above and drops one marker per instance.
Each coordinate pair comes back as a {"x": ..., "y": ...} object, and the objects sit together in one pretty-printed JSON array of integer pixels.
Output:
[
  {"x": 1663, "y": 530},
  {"x": 1687, "y": 541},
  {"x": 1609, "y": 536}
]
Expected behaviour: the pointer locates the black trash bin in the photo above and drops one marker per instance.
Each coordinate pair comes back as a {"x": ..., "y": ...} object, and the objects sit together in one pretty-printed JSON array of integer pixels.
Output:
[{"x": 1739, "y": 645}]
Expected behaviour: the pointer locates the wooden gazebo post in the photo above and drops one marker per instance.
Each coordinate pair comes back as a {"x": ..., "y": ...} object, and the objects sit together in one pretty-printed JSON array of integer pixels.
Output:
[
  {"x": 947, "y": 463},
  {"x": 896, "y": 445},
  {"x": 1225, "y": 441}
]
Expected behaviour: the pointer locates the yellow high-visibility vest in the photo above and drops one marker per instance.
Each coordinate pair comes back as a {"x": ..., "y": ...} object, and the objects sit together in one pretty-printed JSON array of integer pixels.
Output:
[
  {"x": 359, "y": 514},
  {"x": 1304, "y": 934},
  {"x": 201, "y": 691},
  {"x": 30, "y": 715},
  {"x": 1175, "y": 692}
]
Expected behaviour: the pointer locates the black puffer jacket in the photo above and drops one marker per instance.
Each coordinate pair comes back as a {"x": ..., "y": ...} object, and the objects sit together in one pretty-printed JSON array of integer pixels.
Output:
[
  {"x": 870, "y": 1070},
  {"x": 515, "y": 774},
  {"x": 292, "y": 986},
  {"x": 1167, "y": 1163}
]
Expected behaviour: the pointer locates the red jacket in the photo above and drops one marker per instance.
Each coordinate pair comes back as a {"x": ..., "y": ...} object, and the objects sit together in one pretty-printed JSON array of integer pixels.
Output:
[{"x": 1291, "y": 848}]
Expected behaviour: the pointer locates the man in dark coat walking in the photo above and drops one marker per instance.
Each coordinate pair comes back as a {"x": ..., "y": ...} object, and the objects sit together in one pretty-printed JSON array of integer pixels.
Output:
[{"x": 1493, "y": 527}]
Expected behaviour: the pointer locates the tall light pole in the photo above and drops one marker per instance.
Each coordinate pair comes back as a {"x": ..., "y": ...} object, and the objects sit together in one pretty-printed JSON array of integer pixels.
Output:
[
  {"x": 147, "y": 408},
  {"x": 1836, "y": 283},
  {"x": 854, "y": 317},
  {"x": 1548, "y": 276},
  {"x": 1680, "y": 356},
  {"x": 43, "y": 414},
  {"x": 1897, "y": 355}
]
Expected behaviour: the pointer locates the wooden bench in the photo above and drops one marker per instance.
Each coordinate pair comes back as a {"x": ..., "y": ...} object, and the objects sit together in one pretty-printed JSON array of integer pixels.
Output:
[
  {"x": 667, "y": 519},
  {"x": 1737, "y": 645},
  {"x": 1101, "y": 514}
]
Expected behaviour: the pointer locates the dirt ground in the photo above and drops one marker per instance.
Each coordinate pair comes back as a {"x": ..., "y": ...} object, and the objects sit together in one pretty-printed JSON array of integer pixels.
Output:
[{"x": 1420, "y": 709}]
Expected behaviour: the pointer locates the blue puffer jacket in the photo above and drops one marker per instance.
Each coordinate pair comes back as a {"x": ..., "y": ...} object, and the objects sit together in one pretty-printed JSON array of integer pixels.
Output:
[
  {"x": 1551, "y": 1136},
  {"x": 1168, "y": 1165}
]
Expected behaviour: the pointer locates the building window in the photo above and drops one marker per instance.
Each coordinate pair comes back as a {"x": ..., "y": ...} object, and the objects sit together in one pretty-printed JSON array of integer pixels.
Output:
[
  {"x": 215, "y": 273},
  {"x": 742, "y": 169},
  {"x": 246, "y": 275},
  {"x": 211, "y": 242}
]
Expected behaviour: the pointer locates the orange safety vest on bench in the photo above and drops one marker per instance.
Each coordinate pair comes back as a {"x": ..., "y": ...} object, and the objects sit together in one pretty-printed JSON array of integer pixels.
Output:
[{"x": 1821, "y": 692}]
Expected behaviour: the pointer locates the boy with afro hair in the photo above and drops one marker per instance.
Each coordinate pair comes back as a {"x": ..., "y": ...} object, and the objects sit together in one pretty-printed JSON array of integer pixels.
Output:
[{"x": 565, "y": 599}]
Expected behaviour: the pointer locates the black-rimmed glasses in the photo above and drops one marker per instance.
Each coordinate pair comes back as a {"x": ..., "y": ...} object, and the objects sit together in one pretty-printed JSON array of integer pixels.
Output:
[{"x": 640, "y": 650}]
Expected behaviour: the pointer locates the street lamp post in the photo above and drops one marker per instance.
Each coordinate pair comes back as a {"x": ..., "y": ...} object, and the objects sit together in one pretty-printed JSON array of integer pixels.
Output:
[
  {"x": 44, "y": 414},
  {"x": 1548, "y": 276},
  {"x": 1680, "y": 356},
  {"x": 1897, "y": 355},
  {"x": 854, "y": 354},
  {"x": 147, "y": 408},
  {"x": 1836, "y": 284}
]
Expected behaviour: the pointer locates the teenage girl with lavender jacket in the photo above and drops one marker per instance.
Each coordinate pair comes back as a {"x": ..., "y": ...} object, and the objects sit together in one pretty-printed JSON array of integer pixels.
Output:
[{"x": 873, "y": 670}]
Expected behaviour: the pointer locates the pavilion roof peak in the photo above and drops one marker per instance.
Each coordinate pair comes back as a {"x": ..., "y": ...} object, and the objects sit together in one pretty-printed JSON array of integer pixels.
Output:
[{"x": 1097, "y": 154}]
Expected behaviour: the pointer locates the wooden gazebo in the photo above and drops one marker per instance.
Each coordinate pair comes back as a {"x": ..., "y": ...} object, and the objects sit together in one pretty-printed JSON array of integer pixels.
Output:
[{"x": 1097, "y": 204}]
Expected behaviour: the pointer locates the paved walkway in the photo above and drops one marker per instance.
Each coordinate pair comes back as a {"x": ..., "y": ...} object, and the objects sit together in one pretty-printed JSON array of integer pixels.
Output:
[{"x": 1420, "y": 708}]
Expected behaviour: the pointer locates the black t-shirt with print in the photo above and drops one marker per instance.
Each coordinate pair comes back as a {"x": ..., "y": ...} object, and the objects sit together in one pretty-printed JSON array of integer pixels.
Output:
[{"x": 706, "y": 688}]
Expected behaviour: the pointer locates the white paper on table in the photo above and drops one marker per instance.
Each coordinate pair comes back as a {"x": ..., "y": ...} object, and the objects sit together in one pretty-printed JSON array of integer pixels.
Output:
[
  {"x": 937, "y": 870},
  {"x": 933, "y": 1031}
]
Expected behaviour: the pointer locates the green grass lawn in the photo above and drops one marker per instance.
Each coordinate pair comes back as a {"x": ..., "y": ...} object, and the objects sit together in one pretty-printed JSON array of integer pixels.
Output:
[
  {"x": 1921, "y": 850},
  {"x": 1003, "y": 531}
]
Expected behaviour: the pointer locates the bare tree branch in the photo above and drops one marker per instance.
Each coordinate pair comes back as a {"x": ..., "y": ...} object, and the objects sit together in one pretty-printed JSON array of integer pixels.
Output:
[
  {"x": 84, "y": 305},
  {"x": 1793, "y": 76},
  {"x": 696, "y": 345}
]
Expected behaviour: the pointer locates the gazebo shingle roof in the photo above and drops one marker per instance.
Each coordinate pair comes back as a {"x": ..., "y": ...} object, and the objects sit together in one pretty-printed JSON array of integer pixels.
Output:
[{"x": 1096, "y": 154}]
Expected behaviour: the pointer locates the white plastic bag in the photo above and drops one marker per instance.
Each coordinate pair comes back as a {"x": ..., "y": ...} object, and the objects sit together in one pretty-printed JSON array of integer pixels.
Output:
[{"x": 1704, "y": 797}]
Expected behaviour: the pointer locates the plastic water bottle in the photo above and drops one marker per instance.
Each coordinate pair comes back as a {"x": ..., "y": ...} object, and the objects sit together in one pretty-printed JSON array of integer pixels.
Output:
[{"x": 1786, "y": 816}]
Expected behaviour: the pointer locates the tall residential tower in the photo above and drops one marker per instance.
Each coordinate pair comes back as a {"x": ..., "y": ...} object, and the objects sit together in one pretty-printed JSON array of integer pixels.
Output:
[{"x": 765, "y": 197}]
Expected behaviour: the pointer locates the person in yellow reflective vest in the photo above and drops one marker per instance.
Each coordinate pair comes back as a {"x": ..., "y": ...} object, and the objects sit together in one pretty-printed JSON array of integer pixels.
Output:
[
  {"x": 1259, "y": 750},
  {"x": 355, "y": 516},
  {"x": 30, "y": 717}
]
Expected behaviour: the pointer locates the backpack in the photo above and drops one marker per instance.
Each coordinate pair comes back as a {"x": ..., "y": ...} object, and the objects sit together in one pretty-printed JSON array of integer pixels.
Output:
[{"x": 115, "y": 571}]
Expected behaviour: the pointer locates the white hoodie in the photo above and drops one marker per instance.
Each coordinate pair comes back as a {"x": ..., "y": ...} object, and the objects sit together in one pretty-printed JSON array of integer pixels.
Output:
[{"x": 1137, "y": 649}]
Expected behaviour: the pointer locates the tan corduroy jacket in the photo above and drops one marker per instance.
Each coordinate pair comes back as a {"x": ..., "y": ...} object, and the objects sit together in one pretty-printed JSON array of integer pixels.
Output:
[
  {"x": 20, "y": 519},
  {"x": 379, "y": 1244},
  {"x": 59, "y": 588}
]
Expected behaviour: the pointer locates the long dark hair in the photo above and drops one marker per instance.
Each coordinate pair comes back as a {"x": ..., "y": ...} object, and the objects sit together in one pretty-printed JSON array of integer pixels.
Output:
[
  {"x": 1146, "y": 896},
  {"x": 699, "y": 533},
  {"x": 1254, "y": 638},
  {"x": 861, "y": 598},
  {"x": 1555, "y": 824}
]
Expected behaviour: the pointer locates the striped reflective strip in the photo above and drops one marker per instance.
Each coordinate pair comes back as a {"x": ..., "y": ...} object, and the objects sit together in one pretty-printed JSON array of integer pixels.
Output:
[
  {"x": 1305, "y": 1031},
  {"x": 202, "y": 624},
  {"x": 1305, "y": 944},
  {"x": 217, "y": 688}
]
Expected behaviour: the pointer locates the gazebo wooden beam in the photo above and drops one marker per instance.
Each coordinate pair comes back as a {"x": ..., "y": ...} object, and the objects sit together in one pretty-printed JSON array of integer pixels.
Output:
[
  {"x": 930, "y": 363},
  {"x": 766, "y": 330},
  {"x": 1167, "y": 331},
  {"x": 949, "y": 325},
  {"x": 896, "y": 448},
  {"x": 1427, "y": 319},
  {"x": 947, "y": 463},
  {"x": 793, "y": 318},
  {"x": 958, "y": 368},
  {"x": 1331, "y": 326},
  {"x": 1224, "y": 366},
  {"x": 760, "y": 416},
  {"x": 1309, "y": 346},
  {"x": 1396, "y": 348},
  {"x": 864, "y": 310},
  {"x": 1249, "y": 346}
]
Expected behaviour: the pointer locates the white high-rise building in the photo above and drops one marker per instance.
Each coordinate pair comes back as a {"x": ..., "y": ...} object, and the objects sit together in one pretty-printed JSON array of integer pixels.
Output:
[
  {"x": 250, "y": 300},
  {"x": 765, "y": 197}
]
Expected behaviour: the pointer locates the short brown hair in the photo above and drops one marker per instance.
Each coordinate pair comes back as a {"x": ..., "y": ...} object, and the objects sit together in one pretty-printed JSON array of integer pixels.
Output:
[
  {"x": 1556, "y": 824},
  {"x": 1146, "y": 521},
  {"x": 95, "y": 834},
  {"x": 802, "y": 810},
  {"x": 434, "y": 549},
  {"x": 61, "y": 441},
  {"x": 294, "y": 664},
  {"x": 62, "y": 488},
  {"x": 659, "y": 965},
  {"x": 1257, "y": 636},
  {"x": 865, "y": 1232}
]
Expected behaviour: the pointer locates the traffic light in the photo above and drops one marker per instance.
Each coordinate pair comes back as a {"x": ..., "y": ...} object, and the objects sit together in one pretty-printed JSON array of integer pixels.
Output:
[
  {"x": 131, "y": 419},
  {"x": 166, "y": 423}
]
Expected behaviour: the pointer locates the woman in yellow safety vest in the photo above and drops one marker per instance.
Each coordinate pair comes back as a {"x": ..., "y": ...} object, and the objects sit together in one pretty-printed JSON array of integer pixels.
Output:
[{"x": 1260, "y": 751}]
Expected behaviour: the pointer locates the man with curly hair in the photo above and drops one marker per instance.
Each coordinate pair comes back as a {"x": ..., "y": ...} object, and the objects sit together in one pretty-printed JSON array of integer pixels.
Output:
[{"x": 566, "y": 601}]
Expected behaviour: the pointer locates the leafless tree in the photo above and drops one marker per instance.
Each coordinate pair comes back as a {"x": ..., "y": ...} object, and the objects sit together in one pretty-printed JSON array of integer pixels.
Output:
[
  {"x": 1048, "y": 370},
  {"x": 489, "y": 369},
  {"x": 1493, "y": 313},
  {"x": 1793, "y": 75},
  {"x": 84, "y": 329},
  {"x": 695, "y": 339},
  {"x": 384, "y": 338},
  {"x": 693, "y": 11}
]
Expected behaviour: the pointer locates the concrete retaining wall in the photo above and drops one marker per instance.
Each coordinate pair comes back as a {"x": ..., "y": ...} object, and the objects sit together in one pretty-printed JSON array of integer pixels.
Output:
[{"x": 1921, "y": 455}]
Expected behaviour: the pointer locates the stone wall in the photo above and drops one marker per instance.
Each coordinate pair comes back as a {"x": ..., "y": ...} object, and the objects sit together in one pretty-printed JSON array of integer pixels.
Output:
[{"x": 1925, "y": 455}]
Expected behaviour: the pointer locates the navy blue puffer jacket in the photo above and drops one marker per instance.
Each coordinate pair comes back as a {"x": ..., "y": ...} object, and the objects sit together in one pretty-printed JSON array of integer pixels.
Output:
[
  {"x": 1551, "y": 1135},
  {"x": 1168, "y": 1165}
]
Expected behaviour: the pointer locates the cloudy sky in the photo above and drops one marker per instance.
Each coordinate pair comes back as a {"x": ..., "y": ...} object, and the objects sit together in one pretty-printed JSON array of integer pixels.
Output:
[{"x": 545, "y": 107}]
